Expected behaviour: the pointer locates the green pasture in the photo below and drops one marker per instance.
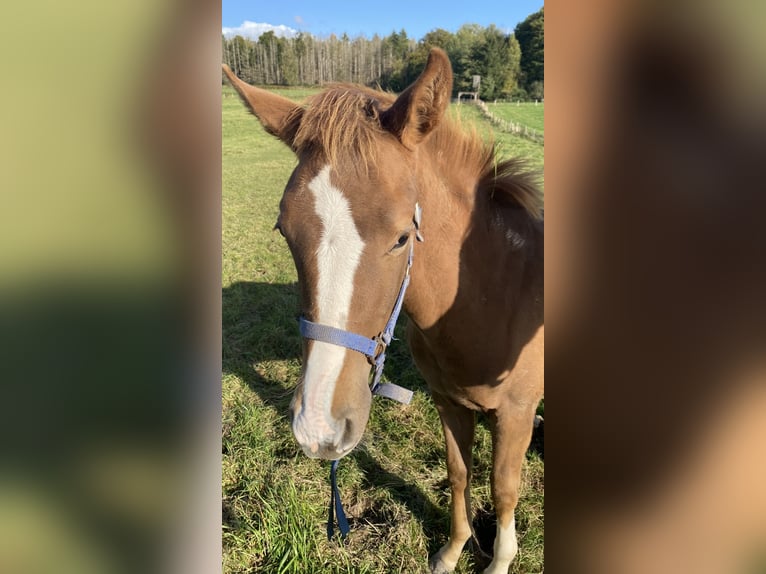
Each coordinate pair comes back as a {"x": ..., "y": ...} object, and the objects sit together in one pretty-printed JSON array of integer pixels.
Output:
[
  {"x": 527, "y": 114},
  {"x": 296, "y": 93},
  {"x": 507, "y": 144},
  {"x": 394, "y": 485}
]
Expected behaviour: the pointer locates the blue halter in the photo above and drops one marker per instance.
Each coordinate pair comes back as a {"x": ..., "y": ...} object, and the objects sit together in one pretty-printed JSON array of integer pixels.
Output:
[{"x": 375, "y": 351}]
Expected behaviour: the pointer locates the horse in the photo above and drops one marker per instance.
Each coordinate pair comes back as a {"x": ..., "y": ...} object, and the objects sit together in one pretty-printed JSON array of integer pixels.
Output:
[{"x": 369, "y": 164}]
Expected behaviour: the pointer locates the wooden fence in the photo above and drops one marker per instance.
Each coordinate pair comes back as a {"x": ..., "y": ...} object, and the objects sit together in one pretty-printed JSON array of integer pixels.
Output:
[{"x": 510, "y": 127}]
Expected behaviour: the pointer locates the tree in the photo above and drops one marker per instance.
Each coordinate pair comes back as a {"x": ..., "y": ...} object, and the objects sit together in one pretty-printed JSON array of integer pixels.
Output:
[
  {"x": 513, "y": 75},
  {"x": 395, "y": 61},
  {"x": 465, "y": 50},
  {"x": 287, "y": 62},
  {"x": 267, "y": 49},
  {"x": 496, "y": 57},
  {"x": 531, "y": 36},
  {"x": 396, "y": 48}
]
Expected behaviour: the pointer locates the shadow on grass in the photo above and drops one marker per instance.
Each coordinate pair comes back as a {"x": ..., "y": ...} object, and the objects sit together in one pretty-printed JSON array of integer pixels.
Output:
[
  {"x": 259, "y": 325},
  {"x": 434, "y": 519}
]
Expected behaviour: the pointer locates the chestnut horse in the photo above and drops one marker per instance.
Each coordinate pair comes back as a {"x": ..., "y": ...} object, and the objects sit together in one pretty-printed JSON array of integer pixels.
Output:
[{"x": 366, "y": 160}]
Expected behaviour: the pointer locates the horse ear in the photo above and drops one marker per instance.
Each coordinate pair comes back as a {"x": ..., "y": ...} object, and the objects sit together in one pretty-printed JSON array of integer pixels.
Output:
[
  {"x": 419, "y": 108},
  {"x": 278, "y": 115}
]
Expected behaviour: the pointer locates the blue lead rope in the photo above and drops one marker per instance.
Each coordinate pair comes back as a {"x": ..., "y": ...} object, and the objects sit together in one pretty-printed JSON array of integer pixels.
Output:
[{"x": 336, "y": 507}]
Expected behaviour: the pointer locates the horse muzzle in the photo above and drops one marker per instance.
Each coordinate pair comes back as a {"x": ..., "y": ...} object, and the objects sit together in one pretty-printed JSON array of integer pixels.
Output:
[
  {"x": 326, "y": 440},
  {"x": 322, "y": 435}
]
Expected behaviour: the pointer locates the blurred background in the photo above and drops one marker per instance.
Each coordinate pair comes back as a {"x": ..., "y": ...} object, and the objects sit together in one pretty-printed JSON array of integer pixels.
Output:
[
  {"x": 656, "y": 269},
  {"x": 110, "y": 287}
]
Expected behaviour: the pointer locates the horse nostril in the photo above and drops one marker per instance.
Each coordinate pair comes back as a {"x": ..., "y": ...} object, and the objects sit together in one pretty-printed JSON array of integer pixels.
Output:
[
  {"x": 348, "y": 428},
  {"x": 343, "y": 440}
]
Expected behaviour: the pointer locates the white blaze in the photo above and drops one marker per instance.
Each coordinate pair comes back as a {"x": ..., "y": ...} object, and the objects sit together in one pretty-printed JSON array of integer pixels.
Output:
[{"x": 340, "y": 249}]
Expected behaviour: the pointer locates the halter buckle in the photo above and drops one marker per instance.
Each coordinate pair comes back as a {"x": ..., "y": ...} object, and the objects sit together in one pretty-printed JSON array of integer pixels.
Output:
[{"x": 380, "y": 348}]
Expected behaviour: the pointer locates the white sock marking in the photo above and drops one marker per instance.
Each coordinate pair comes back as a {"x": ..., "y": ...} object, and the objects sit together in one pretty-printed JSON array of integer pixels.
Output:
[{"x": 506, "y": 547}]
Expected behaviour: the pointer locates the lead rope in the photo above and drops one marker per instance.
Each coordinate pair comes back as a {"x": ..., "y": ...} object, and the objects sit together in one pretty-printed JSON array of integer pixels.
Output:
[
  {"x": 388, "y": 390},
  {"x": 336, "y": 507}
]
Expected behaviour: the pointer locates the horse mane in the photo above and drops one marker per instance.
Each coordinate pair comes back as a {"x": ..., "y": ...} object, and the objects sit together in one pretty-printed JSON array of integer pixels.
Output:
[
  {"x": 347, "y": 117},
  {"x": 507, "y": 182},
  {"x": 511, "y": 181}
]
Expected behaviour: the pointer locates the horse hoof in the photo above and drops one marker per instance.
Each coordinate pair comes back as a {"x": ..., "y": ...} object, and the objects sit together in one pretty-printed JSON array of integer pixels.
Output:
[{"x": 436, "y": 566}]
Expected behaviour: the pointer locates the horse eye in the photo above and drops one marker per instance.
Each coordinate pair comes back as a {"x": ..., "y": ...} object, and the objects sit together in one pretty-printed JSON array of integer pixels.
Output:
[{"x": 402, "y": 241}]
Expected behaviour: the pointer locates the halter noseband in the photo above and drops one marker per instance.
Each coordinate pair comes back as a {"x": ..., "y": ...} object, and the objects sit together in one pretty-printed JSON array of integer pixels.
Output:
[{"x": 375, "y": 351}]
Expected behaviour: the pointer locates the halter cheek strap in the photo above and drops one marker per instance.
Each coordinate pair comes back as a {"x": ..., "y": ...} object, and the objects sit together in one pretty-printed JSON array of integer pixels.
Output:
[{"x": 375, "y": 351}]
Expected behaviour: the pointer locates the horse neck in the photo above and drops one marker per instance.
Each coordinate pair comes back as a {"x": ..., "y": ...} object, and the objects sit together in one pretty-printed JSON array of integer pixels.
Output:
[
  {"x": 447, "y": 200},
  {"x": 461, "y": 244}
]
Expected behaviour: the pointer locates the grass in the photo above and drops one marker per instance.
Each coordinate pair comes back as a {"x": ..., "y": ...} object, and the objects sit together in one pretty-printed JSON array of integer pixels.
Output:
[
  {"x": 507, "y": 144},
  {"x": 296, "y": 93},
  {"x": 394, "y": 486}
]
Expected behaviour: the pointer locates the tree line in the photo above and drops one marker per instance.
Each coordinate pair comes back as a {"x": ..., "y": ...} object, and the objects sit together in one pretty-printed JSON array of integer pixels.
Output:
[{"x": 511, "y": 66}]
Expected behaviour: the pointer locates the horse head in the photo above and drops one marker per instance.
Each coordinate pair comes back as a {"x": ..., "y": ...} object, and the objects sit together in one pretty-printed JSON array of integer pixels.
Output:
[{"x": 349, "y": 216}]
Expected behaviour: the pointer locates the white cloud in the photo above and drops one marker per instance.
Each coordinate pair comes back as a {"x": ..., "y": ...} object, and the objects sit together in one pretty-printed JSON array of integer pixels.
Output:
[{"x": 253, "y": 30}]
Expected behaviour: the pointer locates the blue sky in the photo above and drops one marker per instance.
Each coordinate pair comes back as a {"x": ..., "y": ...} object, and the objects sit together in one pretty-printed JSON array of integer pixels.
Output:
[{"x": 360, "y": 18}]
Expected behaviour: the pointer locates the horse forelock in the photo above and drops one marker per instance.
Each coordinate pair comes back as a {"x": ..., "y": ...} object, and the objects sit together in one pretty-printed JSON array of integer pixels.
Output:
[{"x": 342, "y": 119}]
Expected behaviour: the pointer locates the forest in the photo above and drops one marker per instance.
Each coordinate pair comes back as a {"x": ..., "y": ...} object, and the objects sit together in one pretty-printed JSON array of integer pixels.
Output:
[{"x": 511, "y": 66}]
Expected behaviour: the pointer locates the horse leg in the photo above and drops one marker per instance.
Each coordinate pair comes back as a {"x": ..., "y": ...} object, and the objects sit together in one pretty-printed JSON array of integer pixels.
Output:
[
  {"x": 511, "y": 432},
  {"x": 458, "y": 423}
]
